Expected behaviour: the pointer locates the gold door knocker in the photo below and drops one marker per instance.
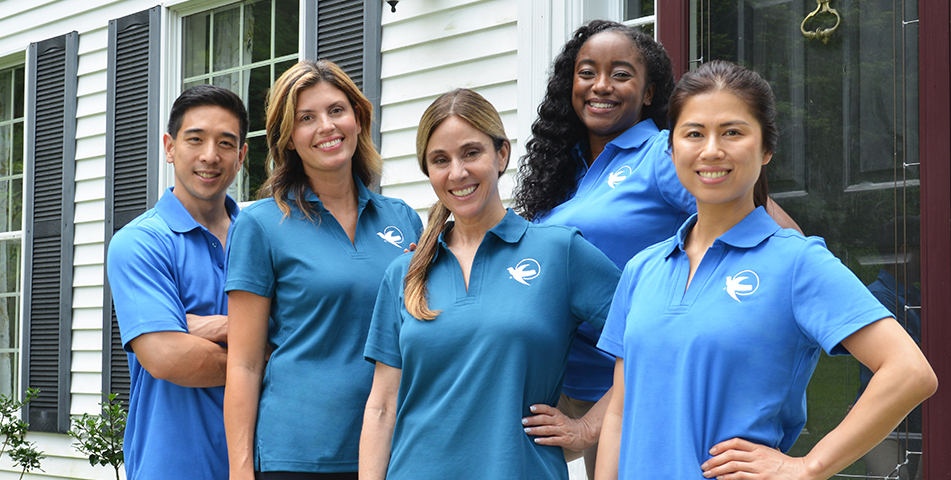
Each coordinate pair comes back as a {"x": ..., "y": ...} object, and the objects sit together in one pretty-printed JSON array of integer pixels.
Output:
[{"x": 821, "y": 33}]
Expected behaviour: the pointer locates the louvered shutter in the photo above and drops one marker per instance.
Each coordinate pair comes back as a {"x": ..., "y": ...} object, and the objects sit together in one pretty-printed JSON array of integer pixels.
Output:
[
  {"x": 48, "y": 223},
  {"x": 133, "y": 154},
  {"x": 348, "y": 33}
]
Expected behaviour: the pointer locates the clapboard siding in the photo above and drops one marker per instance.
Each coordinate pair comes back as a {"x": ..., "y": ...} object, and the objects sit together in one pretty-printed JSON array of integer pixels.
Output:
[{"x": 428, "y": 50}]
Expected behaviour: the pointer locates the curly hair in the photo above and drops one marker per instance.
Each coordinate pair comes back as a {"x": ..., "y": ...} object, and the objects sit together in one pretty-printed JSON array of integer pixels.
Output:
[
  {"x": 546, "y": 173},
  {"x": 286, "y": 173}
]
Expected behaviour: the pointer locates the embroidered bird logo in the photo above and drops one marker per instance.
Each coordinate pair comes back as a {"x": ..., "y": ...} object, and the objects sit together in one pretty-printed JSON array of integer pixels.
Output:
[
  {"x": 392, "y": 235},
  {"x": 618, "y": 176},
  {"x": 735, "y": 285},
  {"x": 525, "y": 270}
]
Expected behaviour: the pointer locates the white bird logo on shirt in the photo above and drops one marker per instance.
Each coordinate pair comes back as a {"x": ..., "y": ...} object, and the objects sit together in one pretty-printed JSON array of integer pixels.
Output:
[
  {"x": 735, "y": 285},
  {"x": 525, "y": 270},
  {"x": 618, "y": 176},
  {"x": 392, "y": 235}
]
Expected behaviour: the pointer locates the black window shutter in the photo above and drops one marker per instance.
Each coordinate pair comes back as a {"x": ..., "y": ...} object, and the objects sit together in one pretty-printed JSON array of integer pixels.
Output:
[
  {"x": 348, "y": 33},
  {"x": 48, "y": 236},
  {"x": 133, "y": 154}
]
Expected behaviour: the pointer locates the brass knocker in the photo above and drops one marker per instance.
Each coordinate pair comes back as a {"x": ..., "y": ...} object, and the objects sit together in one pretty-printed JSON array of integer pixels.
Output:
[{"x": 821, "y": 33}]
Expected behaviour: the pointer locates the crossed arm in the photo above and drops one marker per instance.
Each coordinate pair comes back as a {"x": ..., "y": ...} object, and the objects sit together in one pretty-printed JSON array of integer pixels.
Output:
[{"x": 185, "y": 359}]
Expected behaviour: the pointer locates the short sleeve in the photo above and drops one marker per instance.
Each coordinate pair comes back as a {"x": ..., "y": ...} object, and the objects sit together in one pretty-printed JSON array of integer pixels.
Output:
[
  {"x": 829, "y": 301},
  {"x": 383, "y": 339},
  {"x": 612, "y": 337},
  {"x": 592, "y": 278},
  {"x": 250, "y": 264},
  {"x": 665, "y": 174},
  {"x": 140, "y": 267}
]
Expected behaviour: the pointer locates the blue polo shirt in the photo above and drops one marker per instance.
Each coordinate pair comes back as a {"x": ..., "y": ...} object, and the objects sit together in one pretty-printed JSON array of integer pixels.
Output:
[
  {"x": 162, "y": 265},
  {"x": 731, "y": 356},
  {"x": 322, "y": 288},
  {"x": 469, "y": 376},
  {"x": 630, "y": 198}
]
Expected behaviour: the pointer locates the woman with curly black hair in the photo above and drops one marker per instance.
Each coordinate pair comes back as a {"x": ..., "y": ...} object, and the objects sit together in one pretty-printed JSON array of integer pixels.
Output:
[{"x": 598, "y": 160}]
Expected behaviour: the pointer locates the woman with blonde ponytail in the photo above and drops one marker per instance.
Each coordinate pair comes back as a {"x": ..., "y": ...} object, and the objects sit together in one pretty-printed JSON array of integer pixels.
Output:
[
  {"x": 474, "y": 328},
  {"x": 304, "y": 266}
]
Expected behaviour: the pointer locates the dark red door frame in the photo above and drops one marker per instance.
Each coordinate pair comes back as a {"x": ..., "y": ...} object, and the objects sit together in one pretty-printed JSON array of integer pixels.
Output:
[
  {"x": 934, "y": 90},
  {"x": 935, "y": 150}
]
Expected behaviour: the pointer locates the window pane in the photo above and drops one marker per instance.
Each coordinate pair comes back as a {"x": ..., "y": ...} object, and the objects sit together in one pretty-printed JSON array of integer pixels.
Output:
[
  {"x": 227, "y": 39},
  {"x": 192, "y": 83},
  {"x": 257, "y": 95},
  {"x": 5, "y": 205},
  {"x": 6, "y": 97},
  {"x": 280, "y": 68},
  {"x": 638, "y": 8},
  {"x": 255, "y": 163},
  {"x": 8, "y": 324},
  {"x": 16, "y": 152},
  {"x": 6, "y": 149},
  {"x": 647, "y": 28},
  {"x": 286, "y": 28},
  {"x": 19, "y": 89},
  {"x": 8, "y": 363},
  {"x": 257, "y": 25},
  {"x": 195, "y": 54},
  {"x": 10, "y": 268},
  {"x": 231, "y": 81},
  {"x": 16, "y": 204}
]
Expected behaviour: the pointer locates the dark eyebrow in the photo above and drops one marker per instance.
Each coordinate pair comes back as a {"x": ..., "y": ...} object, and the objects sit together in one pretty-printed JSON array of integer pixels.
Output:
[
  {"x": 724, "y": 124},
  {"x": 613, "y": 64},
  {"x": 201, "y": 130}
]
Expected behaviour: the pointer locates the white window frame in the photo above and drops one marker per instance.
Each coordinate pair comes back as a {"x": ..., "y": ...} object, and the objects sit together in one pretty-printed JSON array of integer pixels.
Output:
[
  {"x": 543, "y": 27},
  {"x": 12, "y": 61},
  {"x": 171, "y": 59}
]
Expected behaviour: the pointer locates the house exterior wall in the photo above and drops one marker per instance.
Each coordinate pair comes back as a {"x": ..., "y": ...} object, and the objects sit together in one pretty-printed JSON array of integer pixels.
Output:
[{"x": 430, "y": 48}]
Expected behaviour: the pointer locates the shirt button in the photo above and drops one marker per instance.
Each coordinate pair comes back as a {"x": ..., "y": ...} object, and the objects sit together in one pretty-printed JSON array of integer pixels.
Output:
[
  {"x": 221, "y": 265},
  {"x": 214, "y": 244}
]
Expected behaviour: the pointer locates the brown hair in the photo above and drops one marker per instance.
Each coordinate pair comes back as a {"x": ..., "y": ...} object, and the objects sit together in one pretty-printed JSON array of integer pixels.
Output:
[
  {"x": 746, "y": 85},
  {"x": 473, "y": 108},
  {"x": 286, "y": 173}
]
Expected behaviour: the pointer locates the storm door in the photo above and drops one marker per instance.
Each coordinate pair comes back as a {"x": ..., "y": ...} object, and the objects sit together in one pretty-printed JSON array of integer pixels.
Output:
[{"x": 845, "y": 76}]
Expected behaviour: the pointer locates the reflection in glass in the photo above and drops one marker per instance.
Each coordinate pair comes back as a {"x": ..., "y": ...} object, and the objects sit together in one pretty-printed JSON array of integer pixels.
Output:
[
  {"x": 847, "y": 114},
  {"x": 637, "y": 8},
  {"x": 10, "y": 269},
  {"x": 260, "y": 82},
  {"x": 196, "y": 31},
  {"x": 286, "y": 33},
  {"x": 6, "y": 95},
  {"x": 228, "y": 39},
  {"x": 257, "y": 31},
  {"x": 8, "y": 324},
  {"x": 8, "y": 364},
  {"x": 6, "y": 149}
]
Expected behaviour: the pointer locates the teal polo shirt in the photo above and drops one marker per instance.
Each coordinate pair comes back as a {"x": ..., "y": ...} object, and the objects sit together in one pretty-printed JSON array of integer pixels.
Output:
[
  {"x": 470, "y": 375},
  {"x": 731, "y": 355},
  {"x": 322, "y": 287}
]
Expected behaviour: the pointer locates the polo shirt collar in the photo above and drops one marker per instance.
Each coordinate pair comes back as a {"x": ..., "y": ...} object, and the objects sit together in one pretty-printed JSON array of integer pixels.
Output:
[
  {"x": 633, "y": 137},
  {"x": 750, "y": 232},
  {"x": 510, "y": 230},
  {"x": 364, "y": 195},
  {"x": 177, "y": 217}
]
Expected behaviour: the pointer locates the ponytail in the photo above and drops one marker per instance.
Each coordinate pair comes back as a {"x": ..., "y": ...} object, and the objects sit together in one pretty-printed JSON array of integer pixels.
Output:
[{"x": 415, "y": 291}]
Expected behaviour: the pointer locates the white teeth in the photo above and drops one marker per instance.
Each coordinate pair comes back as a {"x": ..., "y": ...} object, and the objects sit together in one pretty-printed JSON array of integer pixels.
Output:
[
  {"x": 718, "y": 174},
  {"x": 600, "y": 105},
  {"x": 207, "y": 174},
  {"x": 329, "y": 144},
  {"x": 463, "y": 192}
]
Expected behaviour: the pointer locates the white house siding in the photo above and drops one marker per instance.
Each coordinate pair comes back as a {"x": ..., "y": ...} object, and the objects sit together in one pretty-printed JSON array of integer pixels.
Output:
[
  {"x": 23, "y": 22},
  {"x": 430, "y": 47}
]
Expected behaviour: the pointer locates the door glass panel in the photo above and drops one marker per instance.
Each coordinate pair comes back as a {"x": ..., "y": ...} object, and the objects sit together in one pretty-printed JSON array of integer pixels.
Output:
[{"x": 846, "y": 169}]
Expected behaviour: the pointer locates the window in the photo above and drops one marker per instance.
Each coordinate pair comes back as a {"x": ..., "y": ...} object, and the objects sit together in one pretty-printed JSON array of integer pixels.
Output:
[
  {"x": 640, "y": 14},
  {"x": 11, "y": 222},
  {"x": 243, "y": 47}
]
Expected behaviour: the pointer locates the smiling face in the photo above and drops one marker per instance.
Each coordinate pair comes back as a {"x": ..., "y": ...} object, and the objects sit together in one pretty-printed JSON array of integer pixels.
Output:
[
  {"x": 464, "y": 169},
  {"x": 206, "y": 154},
  {"x": 717, "y": 149},
  {"x": 610, "y": 86},
  {"x": 325, "y": 131}
]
